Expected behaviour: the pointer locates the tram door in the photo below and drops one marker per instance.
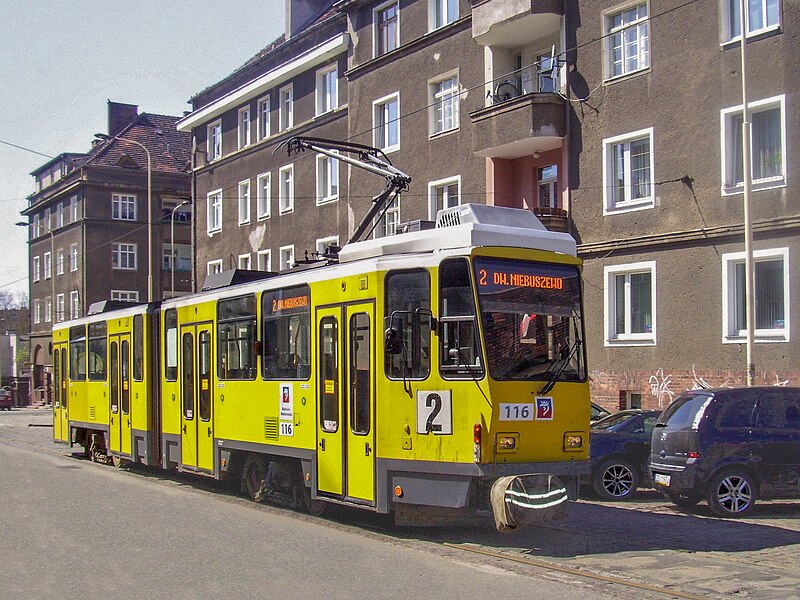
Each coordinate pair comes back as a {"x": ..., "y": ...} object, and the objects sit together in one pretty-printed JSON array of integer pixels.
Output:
[
  {"x": 119, "y": 369},
  {"x": 60, "y": 415},
  {"x": 346, "y": 354},
  {"x": 197, "y": 426}
]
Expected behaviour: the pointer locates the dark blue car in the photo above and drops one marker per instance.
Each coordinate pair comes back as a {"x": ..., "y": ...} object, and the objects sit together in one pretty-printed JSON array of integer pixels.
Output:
[{"x": 619, "y": 449}]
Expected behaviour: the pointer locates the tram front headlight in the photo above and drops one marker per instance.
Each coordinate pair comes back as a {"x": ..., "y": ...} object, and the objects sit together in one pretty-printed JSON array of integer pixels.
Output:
[
  {"x": 573, "y": 441},
  {"x": 507, "y": 442}
]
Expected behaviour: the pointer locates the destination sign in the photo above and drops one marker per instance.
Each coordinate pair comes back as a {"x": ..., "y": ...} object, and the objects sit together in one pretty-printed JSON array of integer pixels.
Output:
[
  {"x": 511, "y": 279},
  {"x": 495, "y": 275},
  {"x": 290, "y": 301}
]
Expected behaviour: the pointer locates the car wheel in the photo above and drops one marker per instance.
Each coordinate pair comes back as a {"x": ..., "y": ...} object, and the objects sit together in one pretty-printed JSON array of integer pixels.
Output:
[
  {"x": 682, "y": 501},
  {"x": 732, "y": 492},
  {"x": 615, "y": 479}
]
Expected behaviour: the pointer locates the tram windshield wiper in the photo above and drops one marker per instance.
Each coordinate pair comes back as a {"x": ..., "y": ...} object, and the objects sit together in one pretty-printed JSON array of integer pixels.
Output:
[{"x": 560, "y": 366}]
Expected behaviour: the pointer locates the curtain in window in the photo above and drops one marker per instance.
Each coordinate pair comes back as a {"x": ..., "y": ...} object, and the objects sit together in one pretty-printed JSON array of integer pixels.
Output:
[
  {"x": 641, "y": 303},
  {"x": 769, "y": 307},
  {"x": 640, "y": 168},
  {"x": 767, "y": 144}
]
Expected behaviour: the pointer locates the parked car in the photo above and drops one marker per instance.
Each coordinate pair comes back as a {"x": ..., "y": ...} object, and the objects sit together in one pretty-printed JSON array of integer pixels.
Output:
[
  {"x": 6, "y": 400},
  {"x": 730, "y": 446},
  {"x": 598, "y": 412},
  {"x": 619, "y": 450}
]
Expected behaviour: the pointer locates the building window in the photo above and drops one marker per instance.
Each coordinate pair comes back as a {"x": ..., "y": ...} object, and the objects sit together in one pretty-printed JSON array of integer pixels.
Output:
[
  {"x": 770, "y": 292},
  {"x": 628, "y": 172},
  {"x": 214, "y": 210},
  {"x": 390, "y": 220},
  {"x": 123, "y": 207},
  {"x": 387, "y": 28},
  {"x": 286, "y": 257},
  {"x": 244, "y": 261},
  {"x": 264, "y": 195},
  {"x": 443, "y": 194},
  {"x": 286, "y": 191},
  {"x": 547, "y": 72},
  {"x": 214, "y": 266},
  {"x": 37, "y": 312},
  {"x": 73, "y": 257},
  {"x": 767, "y": 145},
  {"x": 327, "y": 89},
  {"x": 443, "y": 12},
  {"x": 48, "y": 310},
  {"x": 244, "y": 202},
  {"x": 214, "y": 141},
  {"x": 444, "y": 104},
  {"x": 73, "y": 209},
  {"x": 37, "y": 274},
  {"x": 264, "y": 260},
  {"x": 327, "y": 179},
  {"x": 762, "y": 15},
  {"x": 244, "y": 127},
  {"x": 60, "y": 261},
  {"x": 74, "y": 305},
  {"x": 125, "y": 295},
  {"x": 286, "y": 108},
  {"x": 178, "y": 257},
  {"x": 263, "y": 118},
  {"x": 324, "y": 243},
  {"x": 547, "y": 178},
  {"x": 627, "y": 41},
  {"x": 123, "y": 256},
  {"x": 48, "y": 265},
  {"x": 386, "y": 123},
  {"x": 60, "y": 214},
  {"x": 60, "y": 308},
  {"x": 630, "y": 293}
]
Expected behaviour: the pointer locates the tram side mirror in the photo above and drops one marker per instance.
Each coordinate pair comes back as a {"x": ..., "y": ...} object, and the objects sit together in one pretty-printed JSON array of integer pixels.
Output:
[{"x": 393, "y": 338}]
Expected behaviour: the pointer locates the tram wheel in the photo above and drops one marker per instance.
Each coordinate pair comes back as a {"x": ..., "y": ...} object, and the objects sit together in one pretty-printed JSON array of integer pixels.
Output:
[{"x": 254, "y": 471}]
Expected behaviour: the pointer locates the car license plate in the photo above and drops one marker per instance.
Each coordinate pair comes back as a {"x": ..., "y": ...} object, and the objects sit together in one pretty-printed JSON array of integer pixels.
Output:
[{"x": 661, "y": 479}]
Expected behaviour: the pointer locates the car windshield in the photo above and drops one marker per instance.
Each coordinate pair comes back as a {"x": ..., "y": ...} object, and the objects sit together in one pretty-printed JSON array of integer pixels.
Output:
[
  {"x": 614, "y": 421},
  {"x": 685, "y": 411}
]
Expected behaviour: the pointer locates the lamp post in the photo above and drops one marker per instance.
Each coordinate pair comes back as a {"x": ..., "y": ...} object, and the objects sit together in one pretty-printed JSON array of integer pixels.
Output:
[
  {"x": 104, "y": 136},
  {"x": 172, "y": 242}
]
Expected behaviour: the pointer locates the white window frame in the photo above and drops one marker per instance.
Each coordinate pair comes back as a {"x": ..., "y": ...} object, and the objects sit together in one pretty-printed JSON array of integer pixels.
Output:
[
  {"x": 121, "y": 205},
  {"x": 390, "y": 221},
  {"x": 244, "y": 261},
  {"x": 214, "y": 266},
  {"x": 74, "y": 305},
  {"x": 60, "y": 308},
  {"x": 327, "y": 176},
  {"x": 264, "y": 118},
  {"x": 264, "y": 260},
  {"x": 730, "y": 33},
  {"x": 263, "y": 198},
  {"x": 286, "y": 108},
  {"x": 439, "y": 13},
  {"x": 728, "y": 139},
  {"x": 327, "y": 99},
  {"x": 244, "y": 202},
  {"x": 129, "y": 251},
  {"x": 60, "y": 215},
  {"x": 438, "y": 99},
  {"x": 48, "y": 309},
  {"x": 73, "y": 209},
  {"x": 73, "y": 257},
  {"x": 37, "y": 312},
  {"x": 433, "y": 186},
  {"x": 610, "y": 34},
  {"x": 729, "y": 262},
  {"x": 60, "y": 261},
  {"x": 381, "y": 126},
  {"x": 37, "y": 271},
  {"x": 613, "y": 337},
  {"x": 214, "y": 141},
  {"x": 286, "y": 201},
  {"x": 551, "y": 183},
  {"x": 322, "y": 243},
  {"x": 244, "y": 127},
  {"x": 376, "y": 28},
  {"x": 284, "y": 253},
  {"x": 214, "y": 212},
  {"x": 47, "y": 265},
  {"x": 628, "y": 204},
  {"x": 125, "y": 295}
]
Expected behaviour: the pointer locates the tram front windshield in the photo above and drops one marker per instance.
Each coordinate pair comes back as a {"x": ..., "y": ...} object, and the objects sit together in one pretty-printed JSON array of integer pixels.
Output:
[{"x": 532, "y": 319}]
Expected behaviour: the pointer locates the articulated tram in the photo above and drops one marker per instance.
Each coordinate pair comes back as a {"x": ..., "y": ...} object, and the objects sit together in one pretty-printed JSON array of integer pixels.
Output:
[{"x": 406, "y": 377}]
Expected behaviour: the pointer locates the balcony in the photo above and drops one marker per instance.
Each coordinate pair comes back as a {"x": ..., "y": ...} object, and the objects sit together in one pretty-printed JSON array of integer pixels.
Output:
[
  {"x": 555, "y": 219},
  {"x": 510, "y": 23}
]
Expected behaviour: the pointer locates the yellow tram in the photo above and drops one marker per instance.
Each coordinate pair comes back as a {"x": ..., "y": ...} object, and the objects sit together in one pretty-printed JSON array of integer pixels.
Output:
[{"x": 411, "y": 374}]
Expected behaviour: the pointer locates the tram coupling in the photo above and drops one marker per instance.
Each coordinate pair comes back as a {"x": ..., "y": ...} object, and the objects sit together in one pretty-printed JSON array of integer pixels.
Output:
[{"x": 519, "y": 500}]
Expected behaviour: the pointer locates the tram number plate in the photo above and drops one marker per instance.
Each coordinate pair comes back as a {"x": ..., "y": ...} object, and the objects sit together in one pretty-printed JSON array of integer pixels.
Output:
[
  {"x": 518, "y": 411},
  {"x": 287, "y": 429},
  {"x": 661, "y": 479}
]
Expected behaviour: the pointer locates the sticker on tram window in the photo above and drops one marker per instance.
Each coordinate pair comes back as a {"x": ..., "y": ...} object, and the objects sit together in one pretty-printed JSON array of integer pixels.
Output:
[
  {"x": 544, "y": 408},
  {"x": 516, "y": 411},
  {"x": 287, "y": 429},
  {"x": 286, "y": 402},
  {"x": 330, "y": 386},
  {"x": 434, "y": 412},
  {"x": 204, "y": 384}
]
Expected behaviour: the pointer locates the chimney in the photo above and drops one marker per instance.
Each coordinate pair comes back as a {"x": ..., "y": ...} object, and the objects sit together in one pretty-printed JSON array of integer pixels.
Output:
[
  {"x": 300, "y": 12},
  {"x": 119, "y": 115}
]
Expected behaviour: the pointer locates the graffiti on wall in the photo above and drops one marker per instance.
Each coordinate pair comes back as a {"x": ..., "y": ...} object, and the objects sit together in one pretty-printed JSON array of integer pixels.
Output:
[{"x": 659, "y": 387}]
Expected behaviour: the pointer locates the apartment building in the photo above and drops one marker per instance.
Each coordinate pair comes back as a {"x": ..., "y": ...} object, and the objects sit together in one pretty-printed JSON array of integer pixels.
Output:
[{"x": 88, "y": 225}]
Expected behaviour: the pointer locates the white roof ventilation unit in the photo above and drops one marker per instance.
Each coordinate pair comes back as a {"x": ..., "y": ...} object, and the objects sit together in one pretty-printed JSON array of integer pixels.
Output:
[{"x": 488, "y": 215}]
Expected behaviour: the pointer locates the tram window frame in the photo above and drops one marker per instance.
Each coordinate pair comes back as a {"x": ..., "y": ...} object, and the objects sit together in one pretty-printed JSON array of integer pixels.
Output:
[
  {"x": 282, "y": 358},
  {"x": 329, "y": 374},
  {"x": 360, "y": 373},
  {"x": 97, "y": 337},
  {"x": 204, "y": 374},
  {"x": 413, "y": 315},
  {"x": 232, "y": 313},
  {"x": 138, "y": 347},
  {"x": 77, "y": 353},
  {"x": 455, "y": 323},
  {"x": 171, "y": 342}
]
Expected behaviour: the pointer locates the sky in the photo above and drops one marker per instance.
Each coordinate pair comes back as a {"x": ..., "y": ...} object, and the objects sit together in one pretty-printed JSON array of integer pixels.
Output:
[{"x": 61, "y": 61}]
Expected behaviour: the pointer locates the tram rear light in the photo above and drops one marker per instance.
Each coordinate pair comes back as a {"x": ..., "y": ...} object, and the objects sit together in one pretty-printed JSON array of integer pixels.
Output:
[{"x": 573, "y": 441}]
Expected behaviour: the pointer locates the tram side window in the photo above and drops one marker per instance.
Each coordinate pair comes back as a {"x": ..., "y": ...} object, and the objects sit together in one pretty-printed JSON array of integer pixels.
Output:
[
  {"x": 459, "y": 351},
  {"x": 97, "y": 351},
  {"x": 77, "y": 353},
  {"x": 236, "y": 336},
  {"x": 171, "y": 345},
  {"x": 138, "y": 347},
  {"x": 408, "y": 310},
  {"x": 286, "y": 333}
]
